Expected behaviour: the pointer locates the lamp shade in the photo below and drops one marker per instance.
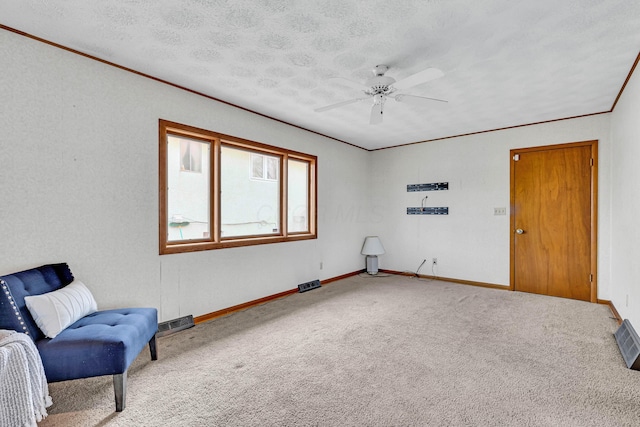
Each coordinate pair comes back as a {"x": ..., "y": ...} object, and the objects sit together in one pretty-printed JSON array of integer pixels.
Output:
[{"x": 372, "y": 246}]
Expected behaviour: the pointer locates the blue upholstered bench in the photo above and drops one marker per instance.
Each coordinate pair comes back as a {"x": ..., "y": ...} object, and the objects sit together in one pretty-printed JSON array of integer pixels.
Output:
[{"x": 102, "y": 343}]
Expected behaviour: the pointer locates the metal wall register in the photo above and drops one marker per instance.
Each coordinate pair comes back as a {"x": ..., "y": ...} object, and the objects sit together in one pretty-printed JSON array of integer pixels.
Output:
[
  {"x": 427, "y": 210},
  {"x": 434, "y": 186}
]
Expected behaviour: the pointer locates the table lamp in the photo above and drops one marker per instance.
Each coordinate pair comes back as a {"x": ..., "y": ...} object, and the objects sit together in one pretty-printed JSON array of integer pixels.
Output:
[{"x": 372, "y": 248}]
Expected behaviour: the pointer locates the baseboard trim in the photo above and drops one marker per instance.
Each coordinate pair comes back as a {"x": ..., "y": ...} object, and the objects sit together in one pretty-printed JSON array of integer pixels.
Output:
[
  {"x": 259, "y": 301},
  {"x": 344, "y": 276},
  {"x": 243, "y": 306},
  {"x": 613, "y": 309},
  {"x": 449, "y": 279}
]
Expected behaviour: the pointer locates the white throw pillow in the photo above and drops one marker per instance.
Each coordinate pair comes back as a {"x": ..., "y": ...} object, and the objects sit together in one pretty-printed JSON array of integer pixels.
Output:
[{"x": 56, "y": 310}]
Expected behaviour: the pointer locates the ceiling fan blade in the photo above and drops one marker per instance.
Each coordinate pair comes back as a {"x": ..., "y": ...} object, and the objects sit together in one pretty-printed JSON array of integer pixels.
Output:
[
  {"x": 418, "y": 78},
  {"x": 350, "y": 83},
  {"x": 339, "y": 104},
  {"x": 376, "y": 114},
  {"x": 415, "y": 99}
]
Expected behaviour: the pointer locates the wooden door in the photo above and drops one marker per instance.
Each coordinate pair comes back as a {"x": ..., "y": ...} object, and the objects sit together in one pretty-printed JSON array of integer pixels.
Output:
[{"x": 553, "y": 220}]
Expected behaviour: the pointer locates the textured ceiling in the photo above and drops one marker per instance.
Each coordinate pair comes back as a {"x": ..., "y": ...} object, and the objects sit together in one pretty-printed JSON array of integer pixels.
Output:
[{"x": 505, "y": 62}]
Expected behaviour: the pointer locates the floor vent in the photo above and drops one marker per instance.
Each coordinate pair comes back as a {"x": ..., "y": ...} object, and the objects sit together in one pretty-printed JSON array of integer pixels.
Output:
[
  {"x": 175, "y": 325},
  {"x": 629, "y": 344},
  {"x": 308, "y": 286}
]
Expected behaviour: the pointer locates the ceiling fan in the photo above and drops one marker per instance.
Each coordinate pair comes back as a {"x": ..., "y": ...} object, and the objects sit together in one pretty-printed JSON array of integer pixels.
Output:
[{"x": 381, "y": 87}]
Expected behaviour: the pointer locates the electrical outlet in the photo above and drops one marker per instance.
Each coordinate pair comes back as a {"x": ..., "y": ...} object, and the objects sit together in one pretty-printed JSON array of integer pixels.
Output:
[
  {"x": 435, "y": 261},
  {"x": 321, "y": 265}
]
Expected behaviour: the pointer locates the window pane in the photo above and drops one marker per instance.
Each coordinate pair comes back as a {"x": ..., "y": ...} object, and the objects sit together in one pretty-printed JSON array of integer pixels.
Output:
[
  {"x": 257, "y": 166},
  {"x": 273, "y": 164},
  {"x": 188, "y": 193},
  {"x": 190, "y": 156},
  {"x": 298, "y": 196},
  {"x": 247, "y": 206}
]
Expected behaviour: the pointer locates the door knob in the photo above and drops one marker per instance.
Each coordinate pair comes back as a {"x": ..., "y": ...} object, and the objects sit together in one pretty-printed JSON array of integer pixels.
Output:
[{"x": 520, "y": 231}]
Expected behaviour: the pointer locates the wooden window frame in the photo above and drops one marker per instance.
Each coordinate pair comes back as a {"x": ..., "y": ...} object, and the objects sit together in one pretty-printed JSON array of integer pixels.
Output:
[{"x": 215, "y": 241}]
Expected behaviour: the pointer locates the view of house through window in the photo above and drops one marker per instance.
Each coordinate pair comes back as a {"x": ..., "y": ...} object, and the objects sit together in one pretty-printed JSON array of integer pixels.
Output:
[
  {"x": 264, "y": 167},
  {"x": 248, "y": 206},
  {"x": 298, "y": 195},
  {"x": 188, "y": 193},
  {"x": 190, "y": 155},
  {"x": 219, "y": 191}
]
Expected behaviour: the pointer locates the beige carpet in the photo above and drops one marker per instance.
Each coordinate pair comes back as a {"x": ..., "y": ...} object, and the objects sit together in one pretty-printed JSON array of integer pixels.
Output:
[{"x": 393, "y": 351}]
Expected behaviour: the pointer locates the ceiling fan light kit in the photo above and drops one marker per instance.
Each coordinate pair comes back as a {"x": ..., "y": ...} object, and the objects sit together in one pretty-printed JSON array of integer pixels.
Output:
[{"x": 380, "y": 87}]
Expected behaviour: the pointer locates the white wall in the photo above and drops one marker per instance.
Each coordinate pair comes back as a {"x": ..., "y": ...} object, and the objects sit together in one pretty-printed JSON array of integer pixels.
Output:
[
  {"x": 625, "y": 203},
  {"x": 471, "y": 243},
  {"x": 79, "y": 183}
]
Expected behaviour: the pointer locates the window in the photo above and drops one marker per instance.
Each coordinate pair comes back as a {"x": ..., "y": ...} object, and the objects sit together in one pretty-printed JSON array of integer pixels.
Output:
[
  {"x": 188, "y": 193},
  {"x": 264, "y": 167},
  {"x": 248, "y": 206},
  {"x": 218, "y": 191},
  {"x": 190, "y": 155},
  {"x": 298, "y": 196}
]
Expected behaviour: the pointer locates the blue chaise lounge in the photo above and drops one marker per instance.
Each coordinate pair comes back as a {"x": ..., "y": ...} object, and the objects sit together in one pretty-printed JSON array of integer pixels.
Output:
[{"x": 104, "y": 342}]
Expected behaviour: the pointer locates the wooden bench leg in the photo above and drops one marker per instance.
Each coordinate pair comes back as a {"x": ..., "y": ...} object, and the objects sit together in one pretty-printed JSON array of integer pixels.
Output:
[
  {"x": 120, "y": 390},
  {"x": 153, "y": 349},
  {"x": 120, "y": 380}
]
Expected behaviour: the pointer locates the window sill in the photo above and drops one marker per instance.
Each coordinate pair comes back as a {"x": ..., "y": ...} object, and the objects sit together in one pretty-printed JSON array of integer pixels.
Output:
[{"x": 182, "y": 247}]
